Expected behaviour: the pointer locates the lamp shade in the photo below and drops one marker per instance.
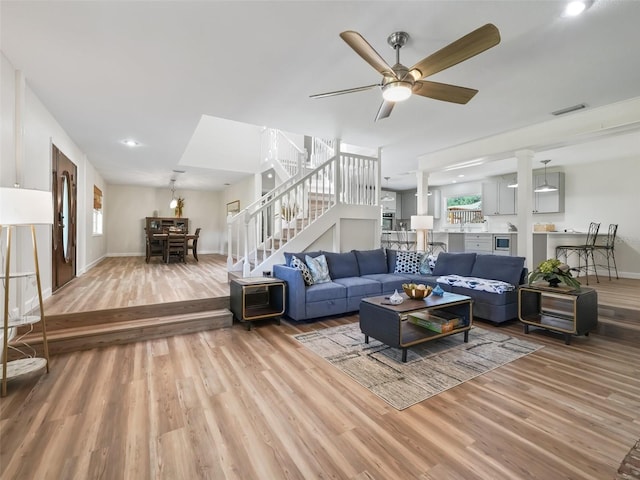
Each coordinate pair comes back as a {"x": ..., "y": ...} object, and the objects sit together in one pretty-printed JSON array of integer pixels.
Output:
[
  {"x": 421, "y": 222},
  {"x": 21, "y": 206}
]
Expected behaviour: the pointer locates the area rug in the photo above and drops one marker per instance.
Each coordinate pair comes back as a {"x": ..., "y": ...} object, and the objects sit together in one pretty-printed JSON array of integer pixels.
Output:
[
  {"x": 431, "y": 367},
  {"x": 630, "y": 466}
]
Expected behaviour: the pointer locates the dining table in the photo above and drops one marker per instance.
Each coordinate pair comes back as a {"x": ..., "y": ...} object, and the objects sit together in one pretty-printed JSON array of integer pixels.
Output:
[{"x": 163, "y": 237}]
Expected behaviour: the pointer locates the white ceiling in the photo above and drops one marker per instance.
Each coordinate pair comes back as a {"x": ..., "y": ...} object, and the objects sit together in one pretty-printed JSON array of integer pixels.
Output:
[{"x": 111, "y": 70}]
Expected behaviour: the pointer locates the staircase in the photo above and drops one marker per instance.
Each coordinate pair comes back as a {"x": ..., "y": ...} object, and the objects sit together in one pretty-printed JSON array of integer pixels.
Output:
[{"x": 300, "y": 210}]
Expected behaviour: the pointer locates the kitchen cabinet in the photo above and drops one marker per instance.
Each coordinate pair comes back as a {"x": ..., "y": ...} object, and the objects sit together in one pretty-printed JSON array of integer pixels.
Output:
[
  {"x": 498, "y": 199},
  {"x": 549, "y": 202},
  {"x": 455, "y": 242},
  {"x": 409, "y": 204},
  {"x": 478, "y": 242},
  {"x": 388, "y": 201},
  {"x": 434, "y": 204}
]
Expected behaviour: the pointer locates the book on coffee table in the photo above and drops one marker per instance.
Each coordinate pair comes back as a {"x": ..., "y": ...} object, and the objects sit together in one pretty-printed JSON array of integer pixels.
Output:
[{"x": 440, "y": 322}]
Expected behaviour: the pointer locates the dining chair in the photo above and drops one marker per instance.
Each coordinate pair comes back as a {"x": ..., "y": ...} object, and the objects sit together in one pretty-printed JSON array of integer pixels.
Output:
[
  {"x": 607, "y": 248},
  {"x": 193, "y": 244},
  {"x": 176, "y": 246},
  {"x": 155, "y": 248},
  {"x": 583, "y": 251}
]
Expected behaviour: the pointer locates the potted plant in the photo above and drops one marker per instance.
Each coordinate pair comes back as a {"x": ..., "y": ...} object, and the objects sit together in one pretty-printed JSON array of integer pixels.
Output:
[
  {"x": 179, "y": 207},
  {"x": 554, "y": 271}
]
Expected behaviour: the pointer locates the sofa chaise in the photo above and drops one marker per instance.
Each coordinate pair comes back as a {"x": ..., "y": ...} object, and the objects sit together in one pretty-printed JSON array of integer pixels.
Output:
[{"x": 491, "y": 280}]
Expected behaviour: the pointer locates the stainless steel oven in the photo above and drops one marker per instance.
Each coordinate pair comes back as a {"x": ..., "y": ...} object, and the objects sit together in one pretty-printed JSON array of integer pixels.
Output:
[
  {"x": 502, "y": 243},
  {"x": 388, "y": 221}
]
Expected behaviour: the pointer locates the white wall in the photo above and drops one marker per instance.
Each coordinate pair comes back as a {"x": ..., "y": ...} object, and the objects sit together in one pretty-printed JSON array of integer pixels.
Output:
[
  {"x": 41, "y": 130},
  {"x": 129, "y": 205}
]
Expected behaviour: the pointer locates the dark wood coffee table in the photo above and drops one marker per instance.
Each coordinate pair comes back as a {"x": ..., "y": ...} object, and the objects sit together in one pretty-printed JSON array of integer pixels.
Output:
[{"x": 391, "y": 325}]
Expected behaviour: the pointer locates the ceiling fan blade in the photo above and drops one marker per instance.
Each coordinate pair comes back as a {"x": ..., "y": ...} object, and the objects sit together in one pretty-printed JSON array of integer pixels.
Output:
[
  {"x": 342, "y": 92},
  {"x": 367, "y": 52},
  {"x": 462, "y": 49},
  {"x": 443, "y": 91},
  {"x": 385, "y": 110}
]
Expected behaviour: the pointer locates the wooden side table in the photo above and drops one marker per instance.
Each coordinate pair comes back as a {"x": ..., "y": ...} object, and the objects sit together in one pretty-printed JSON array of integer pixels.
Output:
[
  {"x": 564, "y": 310},
  {"x": 257, "y": 298}
]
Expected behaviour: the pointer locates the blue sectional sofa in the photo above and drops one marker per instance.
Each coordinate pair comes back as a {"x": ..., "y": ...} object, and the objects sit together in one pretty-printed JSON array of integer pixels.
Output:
[{"x": 365, "y": 273}]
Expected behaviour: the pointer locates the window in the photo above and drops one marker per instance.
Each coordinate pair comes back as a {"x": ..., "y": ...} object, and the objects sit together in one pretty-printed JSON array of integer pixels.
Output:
[
  {"x": 97, "y": 211},
  {"x": 464, "y": 209}
]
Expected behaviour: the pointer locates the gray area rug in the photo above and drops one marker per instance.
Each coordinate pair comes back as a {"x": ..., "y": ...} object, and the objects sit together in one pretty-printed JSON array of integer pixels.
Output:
[
  {"x": 630, "y": 466},
  {"x": 431, "y": 367}
]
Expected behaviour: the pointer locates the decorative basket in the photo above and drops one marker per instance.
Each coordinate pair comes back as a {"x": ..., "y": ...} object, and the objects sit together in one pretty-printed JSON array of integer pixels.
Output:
[{"x": 417, "y": 293}]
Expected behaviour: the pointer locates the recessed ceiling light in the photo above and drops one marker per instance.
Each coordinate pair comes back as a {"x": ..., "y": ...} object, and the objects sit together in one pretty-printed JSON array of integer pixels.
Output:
[
  {"x": 130, "y": 143},
  {"x": 460, "y": 176},
  {"x": 575, "y": 8}
]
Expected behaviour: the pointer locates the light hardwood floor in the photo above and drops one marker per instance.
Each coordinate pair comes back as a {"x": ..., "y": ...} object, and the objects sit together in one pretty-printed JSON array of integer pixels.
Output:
[{"x": 240, "y": 404}]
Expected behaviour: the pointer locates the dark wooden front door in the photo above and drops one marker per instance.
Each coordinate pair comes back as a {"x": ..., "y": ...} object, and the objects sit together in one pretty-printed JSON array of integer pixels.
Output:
[{"x": 64, "y": 223}]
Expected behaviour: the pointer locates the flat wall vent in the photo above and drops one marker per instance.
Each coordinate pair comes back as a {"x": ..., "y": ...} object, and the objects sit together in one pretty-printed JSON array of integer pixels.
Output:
[{"x": 564, "y": 111}]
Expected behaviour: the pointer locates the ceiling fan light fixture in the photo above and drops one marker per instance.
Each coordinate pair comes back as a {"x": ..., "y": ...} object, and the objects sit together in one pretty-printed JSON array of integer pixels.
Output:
[
  {"x": 575, "y": 8},
  {"x": 396, "y": 91}
]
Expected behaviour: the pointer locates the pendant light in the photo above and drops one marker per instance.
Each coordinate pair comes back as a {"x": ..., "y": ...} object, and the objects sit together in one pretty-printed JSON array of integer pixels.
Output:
[
  {"x": 174, "y": 202},
  {"x": 387, "y": 196},
  {"x": 545, "y": 187}
]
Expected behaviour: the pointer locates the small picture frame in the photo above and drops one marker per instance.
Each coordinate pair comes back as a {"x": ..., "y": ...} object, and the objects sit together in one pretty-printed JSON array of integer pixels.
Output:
[{"x": 233, "y": 207}]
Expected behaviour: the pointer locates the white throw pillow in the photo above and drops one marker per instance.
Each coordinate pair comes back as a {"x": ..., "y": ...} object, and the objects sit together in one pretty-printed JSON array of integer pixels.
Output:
[{"x": 319, "y": 268}]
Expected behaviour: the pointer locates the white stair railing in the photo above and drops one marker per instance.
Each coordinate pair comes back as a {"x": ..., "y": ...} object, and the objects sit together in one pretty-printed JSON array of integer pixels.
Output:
[
  {"x": 266, "y": 226},
  {"x": 277, "y": 147},
  {"x": 323, "y": 150}
]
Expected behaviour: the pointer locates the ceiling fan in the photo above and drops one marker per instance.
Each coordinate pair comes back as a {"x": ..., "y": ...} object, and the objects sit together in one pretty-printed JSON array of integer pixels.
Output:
[{"x": 399, "y": 82}]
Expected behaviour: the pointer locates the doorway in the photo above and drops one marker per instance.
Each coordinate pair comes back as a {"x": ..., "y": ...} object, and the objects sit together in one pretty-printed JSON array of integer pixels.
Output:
[{"x": 63, "y": 245}]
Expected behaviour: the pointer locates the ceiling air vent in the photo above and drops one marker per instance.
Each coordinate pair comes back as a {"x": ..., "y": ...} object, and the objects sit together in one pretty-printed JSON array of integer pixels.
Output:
[{"x": 563, "y": 111}]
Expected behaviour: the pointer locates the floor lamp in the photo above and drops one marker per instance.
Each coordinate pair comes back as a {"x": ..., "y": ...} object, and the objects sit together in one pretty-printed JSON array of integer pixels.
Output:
[
  {"x": 22, "y": 207},
  {"x": 422, "y": 223}
]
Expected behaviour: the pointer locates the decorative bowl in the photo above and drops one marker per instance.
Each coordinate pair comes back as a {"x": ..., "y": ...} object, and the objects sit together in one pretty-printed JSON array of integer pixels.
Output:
[{"x": 416, "y": 293}]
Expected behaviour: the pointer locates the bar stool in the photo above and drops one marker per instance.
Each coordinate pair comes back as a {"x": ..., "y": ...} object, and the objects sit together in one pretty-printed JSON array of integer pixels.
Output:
[
  {"x": 583, "y": 251},
  {"x": 607, "y": 249},
  {"x": 432, "y": 246},
  {"x": 404, "y": 243}
]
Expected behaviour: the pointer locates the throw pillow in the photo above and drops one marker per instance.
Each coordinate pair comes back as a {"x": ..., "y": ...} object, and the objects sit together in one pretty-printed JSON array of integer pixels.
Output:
[
  {"x": 427, "y": 262},
  {"x": 319, "y": 268},
  {"x": 407, "y": 262},
  {"x": 306, "y": 274}
]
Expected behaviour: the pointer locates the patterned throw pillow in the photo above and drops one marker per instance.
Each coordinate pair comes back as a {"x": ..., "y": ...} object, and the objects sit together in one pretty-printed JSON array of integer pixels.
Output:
[
  {"x": 427, "y": 262},
  {"x": 319, "y": 268},
  {"x": 408, "y": 262},
  {"x": 300, "y": 265}
]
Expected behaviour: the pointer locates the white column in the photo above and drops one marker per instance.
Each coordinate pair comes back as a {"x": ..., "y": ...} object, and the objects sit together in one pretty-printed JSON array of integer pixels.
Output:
[
  {"x": 422, "y": 204},
  {"x": 525, "y": 205}
]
